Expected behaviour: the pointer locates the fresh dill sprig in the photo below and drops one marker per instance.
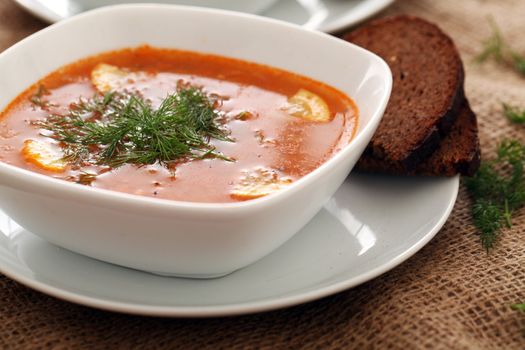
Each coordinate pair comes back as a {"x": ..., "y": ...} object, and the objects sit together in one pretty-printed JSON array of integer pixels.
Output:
[
  {"x": 519, "y": 62},
  {"x": 514, "y": 114},
  {"x": 85, "y": 178},
  {"x": 37, "y": 99},
  {"x": 519, "y": 307},
  {"x": 116, "y": 128},
  {"x": 496, "y": 47},
  {"x": 498, "y": 189}
]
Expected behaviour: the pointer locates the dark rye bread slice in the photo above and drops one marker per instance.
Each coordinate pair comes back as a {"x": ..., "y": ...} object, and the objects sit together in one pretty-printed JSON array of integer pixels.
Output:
[
  {"x": 427, "y": 90},
  {"x": 458, "y": 151}
]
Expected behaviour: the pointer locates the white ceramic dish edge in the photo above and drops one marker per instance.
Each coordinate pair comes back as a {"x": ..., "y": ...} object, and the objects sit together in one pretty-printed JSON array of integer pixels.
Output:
[{"x": 358, "y": 14}]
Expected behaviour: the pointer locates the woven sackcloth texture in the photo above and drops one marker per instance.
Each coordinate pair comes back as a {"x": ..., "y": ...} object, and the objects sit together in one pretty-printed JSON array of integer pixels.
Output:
[{"x": 450, "y": 295}]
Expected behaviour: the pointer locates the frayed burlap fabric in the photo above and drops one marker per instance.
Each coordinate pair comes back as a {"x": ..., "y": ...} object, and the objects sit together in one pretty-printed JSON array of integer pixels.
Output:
[{"x": 450, "y": 295}]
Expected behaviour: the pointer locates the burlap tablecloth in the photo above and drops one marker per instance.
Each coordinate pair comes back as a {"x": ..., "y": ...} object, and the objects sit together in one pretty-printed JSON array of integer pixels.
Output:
[{"x": 450, "y": 295}]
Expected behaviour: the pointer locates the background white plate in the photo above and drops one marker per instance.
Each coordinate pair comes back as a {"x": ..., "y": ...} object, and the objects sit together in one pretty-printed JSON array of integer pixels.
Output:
[
  {"x": 324, "y": 15},
  {"x": 372, "y": 224}
]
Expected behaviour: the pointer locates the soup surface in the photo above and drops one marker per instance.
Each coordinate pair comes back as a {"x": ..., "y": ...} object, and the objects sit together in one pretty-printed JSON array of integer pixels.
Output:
[{"x": 105, "y": 121}]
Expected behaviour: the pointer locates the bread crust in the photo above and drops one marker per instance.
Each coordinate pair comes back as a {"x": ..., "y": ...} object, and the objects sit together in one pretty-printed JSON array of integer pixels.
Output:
[{"x": 459, "y": 151}]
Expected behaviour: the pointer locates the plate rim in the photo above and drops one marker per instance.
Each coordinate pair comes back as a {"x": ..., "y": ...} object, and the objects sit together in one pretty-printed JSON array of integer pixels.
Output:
[
  {"x": 372, "y": 7},
  {"x": 38, "y": 11},
  {"x": 264, "y": 305}
]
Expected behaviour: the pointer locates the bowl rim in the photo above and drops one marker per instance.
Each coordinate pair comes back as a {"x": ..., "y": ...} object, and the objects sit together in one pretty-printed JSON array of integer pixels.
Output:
[{"x": 52, "y": 185}]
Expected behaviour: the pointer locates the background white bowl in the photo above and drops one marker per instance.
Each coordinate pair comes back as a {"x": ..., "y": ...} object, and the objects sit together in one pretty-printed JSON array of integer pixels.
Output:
[
  {"x": 182, "y": 238},
  {"x": 249, "y": 6}
]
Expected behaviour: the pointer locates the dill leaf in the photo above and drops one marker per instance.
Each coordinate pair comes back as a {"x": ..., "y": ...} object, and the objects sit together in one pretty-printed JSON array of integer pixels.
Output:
[
  {"x": 487, "y": 216},
  {"x": 514, "y": 114},
  {"x": 498, "y": 189},
  {"x": 38, "y": 98},
  {"x": 519, "y": 307},
  {"x": 495, "y": 47},
  {"x": 117, "y": 128},
  {"x": 85, "y": 178},
  {"x": 519, "y": 62}
]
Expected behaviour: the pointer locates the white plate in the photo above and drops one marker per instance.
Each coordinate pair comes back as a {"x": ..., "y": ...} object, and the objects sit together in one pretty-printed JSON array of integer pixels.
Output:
[
  {"x": 324, "y": 15},
  {"x": 371, "y": 225}
]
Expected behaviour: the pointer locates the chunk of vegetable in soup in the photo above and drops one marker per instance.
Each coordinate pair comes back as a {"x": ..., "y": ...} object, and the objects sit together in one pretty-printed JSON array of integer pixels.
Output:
[{"x": 176, "y": 125}]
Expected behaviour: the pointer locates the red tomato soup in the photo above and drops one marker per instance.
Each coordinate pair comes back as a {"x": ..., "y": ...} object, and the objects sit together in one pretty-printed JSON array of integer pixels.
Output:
[{"x": 176, "y": 125}]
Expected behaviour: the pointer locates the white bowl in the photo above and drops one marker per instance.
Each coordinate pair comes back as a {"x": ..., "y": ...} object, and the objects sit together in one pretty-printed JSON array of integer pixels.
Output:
[
  {"x": 171, "y": 237},
  {"x": 249, "y": 6}
]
